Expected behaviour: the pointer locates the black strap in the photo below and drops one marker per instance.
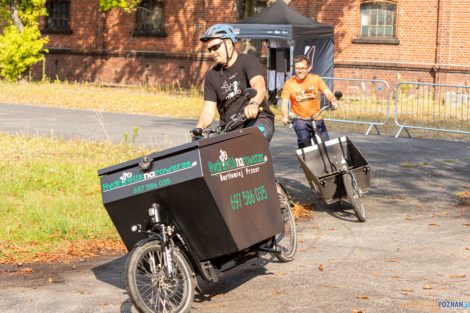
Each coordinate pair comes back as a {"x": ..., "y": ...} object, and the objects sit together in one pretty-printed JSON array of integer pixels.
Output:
[{"x": 322, "y": 143}]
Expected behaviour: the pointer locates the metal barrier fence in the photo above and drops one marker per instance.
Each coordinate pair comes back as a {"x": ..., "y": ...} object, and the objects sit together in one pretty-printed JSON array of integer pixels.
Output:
[
  {"x": 364, "y": 102},
  {"x": 432, "y": 107}
]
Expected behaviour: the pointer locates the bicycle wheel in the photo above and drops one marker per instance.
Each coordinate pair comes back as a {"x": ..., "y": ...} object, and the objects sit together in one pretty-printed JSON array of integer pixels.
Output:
[
  {"x": 147, "y": 285},
  {"x": 286, "y": 241},
  {"x": 352, "y": 191}
]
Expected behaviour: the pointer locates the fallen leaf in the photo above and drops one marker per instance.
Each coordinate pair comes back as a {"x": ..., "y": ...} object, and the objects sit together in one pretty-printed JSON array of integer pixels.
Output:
[
  {"x": 434, "y": 224},
  {"x": 74, "y": 267},
  {"x": 102, "y": 303},
  {"x": 467, "y": 248},
  {"x": 446, "y": 213},
  {"x": 275, "y": 293},
  {"x": 395, "y": 276},
  {"x": 50, "y": 280},
  {"x": 376, "y": 274},
  {"x": 430, "y": 293},
  {"x": 363, "y": 297},
  {"x": 332, "y": 228},
  {"x": 315, "y": 227},
  {"x": 427, "y": 287},
  {"x": 320, "y": 267},
  {"x": 466, "y": 224},
  {"x": 407, "y": 290},
  {"x": 358, "y": 311},
  {"x": 458, "y": 276},
  {"x": 300, "y": 240},
  {"x": 441, "y": 288},
  {"x": 408, "y": 218},
  {"x": 394, "y": 261},
  {"x": 280, "y": 274},
  {"x": 26, "y": 270}
]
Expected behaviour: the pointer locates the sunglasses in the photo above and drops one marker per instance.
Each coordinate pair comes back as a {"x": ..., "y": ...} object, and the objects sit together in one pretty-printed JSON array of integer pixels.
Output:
[{"x": 215, "y": 47}]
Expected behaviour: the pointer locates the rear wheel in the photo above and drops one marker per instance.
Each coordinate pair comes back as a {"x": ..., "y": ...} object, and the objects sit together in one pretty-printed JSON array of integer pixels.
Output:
[
  {"x": 352, "y": 190},
  {"x": 148, "y": 285},
  {"x": 286, "y": 241}
]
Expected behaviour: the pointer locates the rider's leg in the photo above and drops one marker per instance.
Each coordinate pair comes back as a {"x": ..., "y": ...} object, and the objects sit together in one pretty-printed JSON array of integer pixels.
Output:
[
  {"x": 321, "y": 127},
  {"x": 304, "y": 134},
  {"x": 264, "y": 124}
]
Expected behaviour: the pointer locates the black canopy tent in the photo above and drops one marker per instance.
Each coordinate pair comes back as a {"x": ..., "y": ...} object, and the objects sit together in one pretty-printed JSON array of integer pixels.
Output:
[{"x": 281, "y": 22}]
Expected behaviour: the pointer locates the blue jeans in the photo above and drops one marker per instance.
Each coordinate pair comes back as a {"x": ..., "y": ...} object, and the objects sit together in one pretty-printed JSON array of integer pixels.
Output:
[{"x": 304, "y": 131}]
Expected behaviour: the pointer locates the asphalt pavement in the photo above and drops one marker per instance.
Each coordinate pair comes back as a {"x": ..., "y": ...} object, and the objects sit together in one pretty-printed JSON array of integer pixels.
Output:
[{"x": 413, "y": 251}]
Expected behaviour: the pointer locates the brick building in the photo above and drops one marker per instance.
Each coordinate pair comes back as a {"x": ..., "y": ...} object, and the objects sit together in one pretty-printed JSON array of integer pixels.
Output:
[{"x": 393, "y": 40}]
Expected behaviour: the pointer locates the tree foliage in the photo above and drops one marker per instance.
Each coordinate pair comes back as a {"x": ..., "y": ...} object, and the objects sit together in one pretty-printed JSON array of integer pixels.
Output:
[
  {"x": 21, "y": 42},
  {"x": 126, "y": 5}
]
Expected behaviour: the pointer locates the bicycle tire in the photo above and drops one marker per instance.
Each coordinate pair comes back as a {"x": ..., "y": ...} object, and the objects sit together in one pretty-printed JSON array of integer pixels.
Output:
[
  {"x": 286, "y": 241},
  {"x": 354, "y": 196},
  {"x": 148, "y": 289}
]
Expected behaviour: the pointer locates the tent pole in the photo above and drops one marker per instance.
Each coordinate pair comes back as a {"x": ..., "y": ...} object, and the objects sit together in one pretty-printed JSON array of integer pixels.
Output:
[
  {"x": 267, "y": 66},
  {"x": 291, "y": 58}
]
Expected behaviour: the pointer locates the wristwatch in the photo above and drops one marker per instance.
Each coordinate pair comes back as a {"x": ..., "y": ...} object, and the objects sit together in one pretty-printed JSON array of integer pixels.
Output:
[{"x": 254, "y": 102}]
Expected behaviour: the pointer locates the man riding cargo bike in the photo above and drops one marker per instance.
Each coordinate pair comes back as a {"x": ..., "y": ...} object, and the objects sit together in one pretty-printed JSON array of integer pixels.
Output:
[{"x": 208, "y": 206}]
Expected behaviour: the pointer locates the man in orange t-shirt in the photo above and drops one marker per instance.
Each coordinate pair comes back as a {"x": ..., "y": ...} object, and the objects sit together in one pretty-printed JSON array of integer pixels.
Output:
[{"x": 303, "y": 92}]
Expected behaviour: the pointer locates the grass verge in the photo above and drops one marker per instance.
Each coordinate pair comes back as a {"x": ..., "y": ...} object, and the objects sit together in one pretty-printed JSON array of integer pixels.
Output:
[{"x": 51, "y": 200}]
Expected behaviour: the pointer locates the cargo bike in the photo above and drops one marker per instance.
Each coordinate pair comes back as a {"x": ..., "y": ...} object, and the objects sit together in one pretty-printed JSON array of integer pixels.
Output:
[
  {"x": 335, "y": 169},
  {"x": 200, "y": 209}
]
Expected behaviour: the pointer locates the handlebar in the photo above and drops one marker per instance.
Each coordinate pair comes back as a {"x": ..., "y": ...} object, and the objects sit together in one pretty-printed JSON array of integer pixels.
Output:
[
  {"x": 293, "y": 117},
  {"x": 338, "y": 95},
  {"x": 235, "y": 120}
]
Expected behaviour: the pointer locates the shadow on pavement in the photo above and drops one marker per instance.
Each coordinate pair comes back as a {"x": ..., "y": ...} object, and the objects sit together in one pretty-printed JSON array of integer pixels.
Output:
[{"x": 112, "y": 273}]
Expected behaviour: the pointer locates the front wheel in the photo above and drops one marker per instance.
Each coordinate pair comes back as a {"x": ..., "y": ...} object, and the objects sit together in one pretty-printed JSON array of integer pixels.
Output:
[
  {"x": 352, "y": 190},
  {"x": 286, "y": 241},
  {"x": 149, "y": 287}
]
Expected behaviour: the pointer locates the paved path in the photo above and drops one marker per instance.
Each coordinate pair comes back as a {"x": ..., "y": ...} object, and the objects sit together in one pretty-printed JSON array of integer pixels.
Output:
[{"x": 415, "y": 245}]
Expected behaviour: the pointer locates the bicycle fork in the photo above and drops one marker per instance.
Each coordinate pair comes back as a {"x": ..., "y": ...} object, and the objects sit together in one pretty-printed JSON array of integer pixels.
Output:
[
  {"x": 166, "y": 232},
  {"x": 345, "y": 170}
]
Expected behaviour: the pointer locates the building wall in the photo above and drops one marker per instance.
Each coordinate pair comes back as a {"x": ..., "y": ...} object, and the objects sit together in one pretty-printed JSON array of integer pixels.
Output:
[{"x": 433, "y": 43}]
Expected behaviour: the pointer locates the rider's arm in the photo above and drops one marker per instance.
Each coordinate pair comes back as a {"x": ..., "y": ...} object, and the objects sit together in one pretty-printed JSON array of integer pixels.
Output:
[
  {"x": 257, "y": 82},
  {"x": 285, "y": 111},
  {"x": 207, "y": 116},
  {"x": 331, "y": 98}
]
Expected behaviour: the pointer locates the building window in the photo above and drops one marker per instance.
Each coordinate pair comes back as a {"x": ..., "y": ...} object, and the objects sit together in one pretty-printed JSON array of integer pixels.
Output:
[
  {"x": 150, "y": 18},
  {"x": 58, "y": 18},
  {"x": 378, "y": 22}
]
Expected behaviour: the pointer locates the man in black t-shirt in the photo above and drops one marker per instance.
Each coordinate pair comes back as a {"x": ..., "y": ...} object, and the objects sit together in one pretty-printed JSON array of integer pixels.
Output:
[{"x": 226, "y": 82}]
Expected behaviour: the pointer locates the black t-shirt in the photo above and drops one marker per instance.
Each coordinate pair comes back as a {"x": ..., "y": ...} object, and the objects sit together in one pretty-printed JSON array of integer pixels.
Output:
[{"x": 226, "y": 87}]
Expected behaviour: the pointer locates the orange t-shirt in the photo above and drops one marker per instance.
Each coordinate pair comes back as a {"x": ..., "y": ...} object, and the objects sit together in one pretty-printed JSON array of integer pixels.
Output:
[{"x": 304, "y": 94}]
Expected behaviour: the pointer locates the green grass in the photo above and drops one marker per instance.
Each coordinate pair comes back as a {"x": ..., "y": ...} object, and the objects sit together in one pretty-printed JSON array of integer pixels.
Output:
[
  {"x": 169, "y": 101},
  {"x": 50, "y": 193}
]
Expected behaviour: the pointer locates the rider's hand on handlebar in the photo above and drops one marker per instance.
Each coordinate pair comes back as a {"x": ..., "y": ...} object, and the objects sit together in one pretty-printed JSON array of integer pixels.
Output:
[
  {"x": 334, "y": 104},
  {"x": 251, "y": 110},
  {"x": 196, "y": 133}
]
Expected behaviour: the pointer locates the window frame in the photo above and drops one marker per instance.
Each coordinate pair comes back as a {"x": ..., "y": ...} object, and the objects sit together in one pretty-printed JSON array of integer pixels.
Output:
[
  {"x": 57, "y": 29},
  {"x": 381, "y": 39},
  {"x": 146, "y": 33}
]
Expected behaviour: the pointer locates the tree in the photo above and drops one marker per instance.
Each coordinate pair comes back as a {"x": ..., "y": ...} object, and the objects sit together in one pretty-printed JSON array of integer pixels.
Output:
[{"x": 21, "y": 42}]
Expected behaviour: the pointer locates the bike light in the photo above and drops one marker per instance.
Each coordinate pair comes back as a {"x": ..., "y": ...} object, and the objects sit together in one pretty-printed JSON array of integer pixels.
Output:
[{"x": 136, "y": 228}]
